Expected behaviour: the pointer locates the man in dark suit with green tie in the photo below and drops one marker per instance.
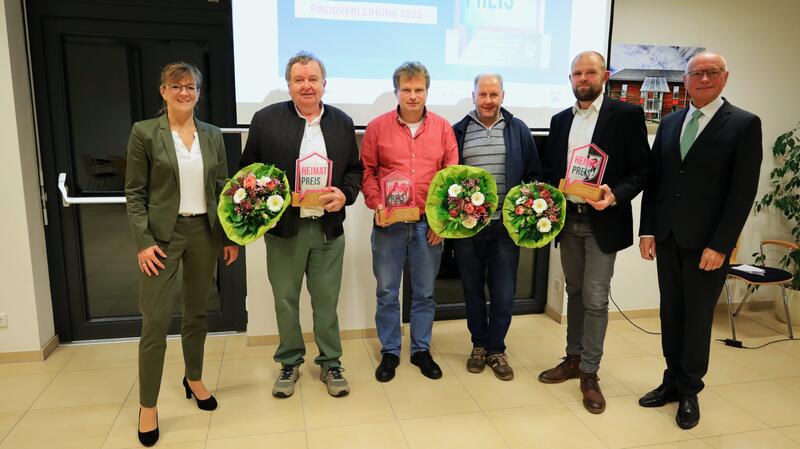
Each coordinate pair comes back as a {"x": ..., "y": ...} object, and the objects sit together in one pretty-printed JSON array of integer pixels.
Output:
[{"x": 706, "y": 163}]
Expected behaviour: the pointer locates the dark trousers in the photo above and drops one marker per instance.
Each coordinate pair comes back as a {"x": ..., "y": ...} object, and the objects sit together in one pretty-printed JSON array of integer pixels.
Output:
[
  {"x": 196, "y": 248},
  {"x": 688, "y": 298},
  {"x": 488, "y": 257}
]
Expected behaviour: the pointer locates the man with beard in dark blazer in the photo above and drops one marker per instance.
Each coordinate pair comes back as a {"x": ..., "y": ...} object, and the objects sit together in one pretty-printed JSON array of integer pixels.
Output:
[
  {"x": 594, "y": 230},
  {"x": 706, "y": 163}
]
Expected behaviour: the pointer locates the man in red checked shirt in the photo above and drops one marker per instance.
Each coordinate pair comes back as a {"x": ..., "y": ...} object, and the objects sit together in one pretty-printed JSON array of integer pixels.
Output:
[{"x": 418, "y": 143}]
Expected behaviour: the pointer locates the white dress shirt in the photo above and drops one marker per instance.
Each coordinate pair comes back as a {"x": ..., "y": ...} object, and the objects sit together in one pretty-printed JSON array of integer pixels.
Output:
[
  {"x": 190, "y": 173},
  {"x": 313, "y": 142},
  {"x": 581, "y": 131},
  {"x": 708, "y": 113}
]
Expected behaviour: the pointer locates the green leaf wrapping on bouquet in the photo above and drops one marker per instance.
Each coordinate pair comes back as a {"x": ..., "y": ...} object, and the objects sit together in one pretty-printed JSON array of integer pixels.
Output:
[
  {"x": 436, "y": 208},
  {"x": 247, "y": 229},
  {"x": 522, "y": 228}
]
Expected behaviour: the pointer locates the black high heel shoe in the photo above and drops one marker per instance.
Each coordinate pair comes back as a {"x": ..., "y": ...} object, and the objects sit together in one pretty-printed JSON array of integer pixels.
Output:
[
  {"x": 203, "y": 404},
  {"x": 148, "y": 438}
]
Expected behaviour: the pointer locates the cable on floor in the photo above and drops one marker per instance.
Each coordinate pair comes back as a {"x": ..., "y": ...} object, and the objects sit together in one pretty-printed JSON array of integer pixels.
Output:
[
  {"x": 626, "y": 316},
  {"x": 727, "y": 341}
]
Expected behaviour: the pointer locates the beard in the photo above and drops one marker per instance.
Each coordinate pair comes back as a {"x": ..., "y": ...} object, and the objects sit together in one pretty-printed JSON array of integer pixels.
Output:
[{"x": 587, "y": 93}]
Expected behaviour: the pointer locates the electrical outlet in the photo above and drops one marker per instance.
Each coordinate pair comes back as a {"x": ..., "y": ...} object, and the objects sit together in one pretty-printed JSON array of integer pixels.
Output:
[{"x": 3, "y": 320}]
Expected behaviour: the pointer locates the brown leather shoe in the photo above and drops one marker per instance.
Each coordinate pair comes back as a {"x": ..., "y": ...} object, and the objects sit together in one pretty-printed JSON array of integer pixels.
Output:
[
  {"x": 500, "y": 366},
  {"x": 567, "y": 369},
  {"x": 477, "y": 360},
  {"x": 593, "y": 399}
]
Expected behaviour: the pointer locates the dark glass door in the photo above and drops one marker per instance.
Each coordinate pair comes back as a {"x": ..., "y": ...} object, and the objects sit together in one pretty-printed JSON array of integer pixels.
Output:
[{"x": 96, "y": 67}]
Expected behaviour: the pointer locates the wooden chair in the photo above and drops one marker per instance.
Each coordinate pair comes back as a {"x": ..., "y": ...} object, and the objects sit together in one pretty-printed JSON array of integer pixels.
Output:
[{"x": 771, "y": 276}]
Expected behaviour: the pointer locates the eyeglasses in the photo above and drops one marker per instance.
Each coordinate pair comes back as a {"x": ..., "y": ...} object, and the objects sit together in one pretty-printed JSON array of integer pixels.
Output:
[
  {"x": 712, "y": 74},
  {"x": 191, "y": 89}
]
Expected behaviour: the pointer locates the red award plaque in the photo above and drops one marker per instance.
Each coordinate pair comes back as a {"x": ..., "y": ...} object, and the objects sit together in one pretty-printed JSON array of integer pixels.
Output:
[
  {"x": 397, "y": 191},
  {"x": 312, "y": 177},
  {"x": 585, "y": 170}
]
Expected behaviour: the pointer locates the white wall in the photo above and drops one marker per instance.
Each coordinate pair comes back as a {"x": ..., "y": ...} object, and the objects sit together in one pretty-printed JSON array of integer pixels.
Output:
[{"x": 23, "y": 267}]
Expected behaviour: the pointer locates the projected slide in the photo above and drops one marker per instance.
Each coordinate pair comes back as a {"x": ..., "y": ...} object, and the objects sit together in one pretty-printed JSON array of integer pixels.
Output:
[{"x": 530, "y": 43}]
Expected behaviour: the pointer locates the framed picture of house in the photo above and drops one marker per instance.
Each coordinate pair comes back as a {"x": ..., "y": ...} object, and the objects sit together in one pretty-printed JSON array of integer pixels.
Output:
[{"x": 650, "y": 76}]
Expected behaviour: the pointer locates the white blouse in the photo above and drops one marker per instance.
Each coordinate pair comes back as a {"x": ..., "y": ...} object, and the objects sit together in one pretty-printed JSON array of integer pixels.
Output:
[{"x": 190, "y": 172}]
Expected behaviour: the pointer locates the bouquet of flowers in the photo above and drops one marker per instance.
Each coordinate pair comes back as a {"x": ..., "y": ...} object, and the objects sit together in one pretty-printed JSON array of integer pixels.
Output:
[
  {"x": 252, "y": 202},
  {"x": 534, "y": 213},
  {"x": 461, "y": 200}
]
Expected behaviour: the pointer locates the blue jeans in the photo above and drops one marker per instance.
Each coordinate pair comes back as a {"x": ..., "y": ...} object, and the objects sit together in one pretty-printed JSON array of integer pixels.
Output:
[
  {"x": 391, "y": 246},
  {"x": 490, "y": 256}
]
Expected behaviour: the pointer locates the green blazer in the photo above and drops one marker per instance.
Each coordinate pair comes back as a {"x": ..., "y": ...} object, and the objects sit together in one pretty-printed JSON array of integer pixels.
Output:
[{"x": 152, "y": 187}]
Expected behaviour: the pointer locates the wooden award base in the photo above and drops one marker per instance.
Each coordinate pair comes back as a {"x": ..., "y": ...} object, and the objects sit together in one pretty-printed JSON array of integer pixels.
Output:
[
  {"x": 310, "y": 199},
  {"x": 582, "y": 190},
  {"x": 398, "y": 214}
]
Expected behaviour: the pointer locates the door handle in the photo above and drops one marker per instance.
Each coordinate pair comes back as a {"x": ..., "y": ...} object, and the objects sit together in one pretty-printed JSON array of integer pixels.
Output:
[{"x": 67, "y": 200}]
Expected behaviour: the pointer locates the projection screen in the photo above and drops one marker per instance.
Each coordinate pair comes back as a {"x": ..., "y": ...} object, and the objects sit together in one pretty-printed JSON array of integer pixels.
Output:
[{"x": 529, "y": 42}]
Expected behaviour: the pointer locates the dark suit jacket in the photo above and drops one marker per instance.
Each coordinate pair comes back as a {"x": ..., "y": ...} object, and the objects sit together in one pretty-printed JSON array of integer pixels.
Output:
[
  {"x": 152, "y": 186},
  {"x": 704, "y": 200},
  {"x": 276, "y": 132},
  {"x": 621, "y": 133}
]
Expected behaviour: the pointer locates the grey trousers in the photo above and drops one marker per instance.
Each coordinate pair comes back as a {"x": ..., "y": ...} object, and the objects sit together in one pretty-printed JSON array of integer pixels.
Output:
[{"x": 587, "y": 271}]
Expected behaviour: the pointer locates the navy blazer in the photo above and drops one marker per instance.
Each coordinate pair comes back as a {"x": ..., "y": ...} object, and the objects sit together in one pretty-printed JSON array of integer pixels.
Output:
[
  {"x": 704, "y": 199},
  {"x": 621, "y": 133}
]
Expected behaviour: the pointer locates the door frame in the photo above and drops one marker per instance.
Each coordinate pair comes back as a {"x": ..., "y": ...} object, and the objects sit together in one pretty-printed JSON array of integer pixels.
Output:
[{"x": 186, "y": 18}]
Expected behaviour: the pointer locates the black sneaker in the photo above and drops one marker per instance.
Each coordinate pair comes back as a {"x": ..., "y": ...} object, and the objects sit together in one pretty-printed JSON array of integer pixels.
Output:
[
  {"x": 426, "y": 365},
  {"x": 385, "y": 371}
]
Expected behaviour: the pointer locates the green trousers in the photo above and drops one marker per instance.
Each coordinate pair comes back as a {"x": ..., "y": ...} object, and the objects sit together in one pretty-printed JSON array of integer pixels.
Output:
[
  {"x": 195, "y": 248},
  {"x": 288, "y": 260}
]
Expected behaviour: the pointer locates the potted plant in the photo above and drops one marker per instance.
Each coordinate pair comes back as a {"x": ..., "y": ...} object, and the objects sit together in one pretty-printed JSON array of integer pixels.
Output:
[{"x": 784, "y": 195}]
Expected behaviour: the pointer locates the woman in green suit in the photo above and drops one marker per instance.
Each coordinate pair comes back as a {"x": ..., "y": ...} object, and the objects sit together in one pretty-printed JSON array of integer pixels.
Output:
[{"x": 176, "y": 168}]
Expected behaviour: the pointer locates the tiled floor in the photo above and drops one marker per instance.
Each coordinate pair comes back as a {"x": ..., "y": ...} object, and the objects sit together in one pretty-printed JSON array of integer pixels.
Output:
[{"x": 86, "y": 397}]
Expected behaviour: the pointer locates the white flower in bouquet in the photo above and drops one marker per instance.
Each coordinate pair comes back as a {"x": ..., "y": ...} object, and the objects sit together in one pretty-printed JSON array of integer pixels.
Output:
[
  {"x": 520, "y": 200},
  {"x": 239, "y": 195},
  {"x": 262, "y": 181},
  {"x": 477, "y": 198},
  {"x": 275, "y": 203},
  {"x": 454, "y": 190},
  {"x": 544, "y": 225},
  {"x": 539, "y": 206},
  {"x": 470, "y": 222}
]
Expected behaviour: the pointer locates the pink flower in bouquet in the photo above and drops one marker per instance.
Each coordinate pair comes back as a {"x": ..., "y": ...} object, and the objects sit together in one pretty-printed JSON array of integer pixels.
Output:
[
  {"x": 544, "y": 193},
  {"x": 469, "y": 208},
  {"x": 519, "y": 210},
  {"x": 453, "y": 213},
  {"x": 529, "y": 202},
  {"x": 249, "y": 182},
  {"x": 272, "y": 184},
  {"x": 480, "y": 210}
]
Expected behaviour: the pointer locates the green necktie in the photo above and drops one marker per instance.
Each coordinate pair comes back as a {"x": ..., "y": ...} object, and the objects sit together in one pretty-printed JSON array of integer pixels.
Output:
[{"x": 690, "y": 133}]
